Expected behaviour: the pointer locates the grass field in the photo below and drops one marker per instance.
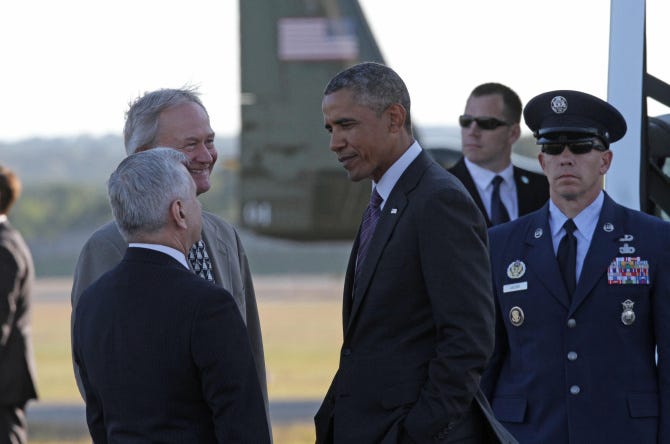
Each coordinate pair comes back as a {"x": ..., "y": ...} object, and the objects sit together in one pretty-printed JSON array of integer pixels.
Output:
[{"x": 302, "y": 332}]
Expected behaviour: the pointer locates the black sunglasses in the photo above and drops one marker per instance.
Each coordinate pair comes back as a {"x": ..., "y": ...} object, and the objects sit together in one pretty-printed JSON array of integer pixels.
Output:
[
  {"x": 575, "y": 147},
  {"x": 485, "y": 123}
]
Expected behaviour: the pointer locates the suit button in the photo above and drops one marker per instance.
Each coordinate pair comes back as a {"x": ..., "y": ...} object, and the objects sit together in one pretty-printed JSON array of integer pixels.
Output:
[
  {"x": 572, "y": 323},
  {"x": 572, "y": 356},
  {"x": 346, "y": 351},
  {"x": 575, "y": 390}
]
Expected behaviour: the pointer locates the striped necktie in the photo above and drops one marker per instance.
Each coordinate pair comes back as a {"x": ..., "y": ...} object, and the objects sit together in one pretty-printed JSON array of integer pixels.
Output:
[{"x": 368, "y": 226}]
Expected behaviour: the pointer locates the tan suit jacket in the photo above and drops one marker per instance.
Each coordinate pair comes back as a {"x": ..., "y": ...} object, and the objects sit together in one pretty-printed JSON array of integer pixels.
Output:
[{"x": 106, "y": 247}]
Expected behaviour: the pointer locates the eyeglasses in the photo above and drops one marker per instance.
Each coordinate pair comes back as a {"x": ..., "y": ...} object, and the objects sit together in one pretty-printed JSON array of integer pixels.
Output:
[
  {"x": 485, "y": 123},
  {"x": 575, "y": 147}
]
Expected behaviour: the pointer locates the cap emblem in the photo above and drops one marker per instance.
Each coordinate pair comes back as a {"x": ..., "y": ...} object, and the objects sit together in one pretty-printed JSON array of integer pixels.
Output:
[{"x": 559, "y": 105}]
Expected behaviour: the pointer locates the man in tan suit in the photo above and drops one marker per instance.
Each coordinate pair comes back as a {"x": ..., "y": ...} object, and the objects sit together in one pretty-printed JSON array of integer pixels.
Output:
[{"x": 176, "y": 118}]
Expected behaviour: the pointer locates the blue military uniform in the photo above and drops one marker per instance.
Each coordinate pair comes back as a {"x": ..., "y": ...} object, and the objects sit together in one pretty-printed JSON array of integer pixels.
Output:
[{"x": 581, "y": 368}]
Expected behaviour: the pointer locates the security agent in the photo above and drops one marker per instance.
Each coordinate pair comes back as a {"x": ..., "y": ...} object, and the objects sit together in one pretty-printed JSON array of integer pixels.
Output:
[
  {"x": 490, "y": 126},
  {"x": 580, "y": 315}
]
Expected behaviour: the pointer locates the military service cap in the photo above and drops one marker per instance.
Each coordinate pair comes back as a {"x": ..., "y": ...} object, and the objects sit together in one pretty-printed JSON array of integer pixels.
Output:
[{"x": 568, "y": 116}]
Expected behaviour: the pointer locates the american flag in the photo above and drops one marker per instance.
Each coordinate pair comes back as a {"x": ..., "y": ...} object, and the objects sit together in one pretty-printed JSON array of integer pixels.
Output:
[{"x": 317, "y": 38}]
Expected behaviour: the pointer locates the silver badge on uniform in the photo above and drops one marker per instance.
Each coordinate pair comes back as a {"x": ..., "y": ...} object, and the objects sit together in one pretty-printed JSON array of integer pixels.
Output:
[
  {"x": 625, "y": 248},
  {"x": 559, "y": 105},
  {"x": 628, "y": 315},
  {"x": 538, "y": 233},
  {"x": 516, "y": 316},
  {"x": 608, "y": 227},
  {"x": 516, "y": 269}
]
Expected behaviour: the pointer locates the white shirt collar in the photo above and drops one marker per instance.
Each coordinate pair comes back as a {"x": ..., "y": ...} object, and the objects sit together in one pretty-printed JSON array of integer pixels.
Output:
[
  {"x": 3, "y": 218},
  {"x": 585, "y": 221},
  {"x": 483, "y": 177},
  {"x": 178, "y": 255},
  {"x": 391, "y": 176}
]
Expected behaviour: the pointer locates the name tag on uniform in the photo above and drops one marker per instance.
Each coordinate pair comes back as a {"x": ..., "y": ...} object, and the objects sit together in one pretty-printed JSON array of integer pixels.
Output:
[
  {"x": 628, "y": 270},
  {"x": 517, "y": 286}
]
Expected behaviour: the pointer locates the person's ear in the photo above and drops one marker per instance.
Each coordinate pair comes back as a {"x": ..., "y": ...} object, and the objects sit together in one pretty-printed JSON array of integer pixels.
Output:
[
  {"x": 515, "y": 133},
  {"x": 605, "y": 161},
  {"x": 178, "y": 214},
  {"x": 397, "y": 115}
]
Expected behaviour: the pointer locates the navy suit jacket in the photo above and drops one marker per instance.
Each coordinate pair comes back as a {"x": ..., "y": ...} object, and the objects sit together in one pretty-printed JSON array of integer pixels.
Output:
[
  {"x": 532, "y": 189},
  {"x": 165, "y": 357},
  {"x": 571, "y": 370},
  {"x": 17, "y": 275},
  {"x": 418, "y": 326}
]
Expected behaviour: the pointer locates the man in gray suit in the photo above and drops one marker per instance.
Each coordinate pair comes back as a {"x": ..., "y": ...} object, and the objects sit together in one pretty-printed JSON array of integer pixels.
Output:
[
  {"x": 176, "y": 118},
  {"x": 17, "y": 365}
]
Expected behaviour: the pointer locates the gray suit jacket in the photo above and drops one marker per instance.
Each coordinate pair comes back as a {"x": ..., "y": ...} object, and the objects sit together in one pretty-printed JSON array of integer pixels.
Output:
[
  {"x": 106, "y": 247},
  {"x": 17, "y": 365}
]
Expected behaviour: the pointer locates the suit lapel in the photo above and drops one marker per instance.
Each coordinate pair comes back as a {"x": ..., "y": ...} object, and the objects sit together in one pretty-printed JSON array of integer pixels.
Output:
[
  {"x": 393, "y": 210},
  {"x": 523, "y": 191},
  {"x": 348, "y": 296},
  {"x": 602, "y": 250},
  {"x": 541, "y": 257},
  {"x": 460, "y": 170}
]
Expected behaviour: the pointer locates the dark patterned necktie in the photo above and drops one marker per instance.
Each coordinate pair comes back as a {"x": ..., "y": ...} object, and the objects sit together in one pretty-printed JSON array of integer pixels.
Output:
[
  {"x": 567, "y": 256},
  {"x": 499, "y": 213},
  {"x": 199, "y": 260},
  {"x": 368, "y": 225}
]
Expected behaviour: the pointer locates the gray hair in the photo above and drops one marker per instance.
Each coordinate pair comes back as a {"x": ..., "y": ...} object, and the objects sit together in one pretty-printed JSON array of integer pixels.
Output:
[
  {"x": 141, "y": 126},
  {"x": 375, "y": 86},
  {"x": 143, "y": 187}
]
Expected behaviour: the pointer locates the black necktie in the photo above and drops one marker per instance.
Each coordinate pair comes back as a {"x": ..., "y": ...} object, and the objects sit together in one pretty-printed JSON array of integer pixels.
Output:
[
  {"x": 567, "y": 256},
  {"x": 199, "y": 260},
  {"x": 499, "y": 213},
  {"x": 368, "y": 225}
]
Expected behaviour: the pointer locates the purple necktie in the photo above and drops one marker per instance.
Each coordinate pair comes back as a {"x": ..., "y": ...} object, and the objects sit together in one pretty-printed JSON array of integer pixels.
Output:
[{"x": 368, "y": 225}]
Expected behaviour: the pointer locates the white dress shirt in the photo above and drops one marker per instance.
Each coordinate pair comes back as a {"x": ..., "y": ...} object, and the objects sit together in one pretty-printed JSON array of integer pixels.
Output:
[{"x": 482, "y": 179}]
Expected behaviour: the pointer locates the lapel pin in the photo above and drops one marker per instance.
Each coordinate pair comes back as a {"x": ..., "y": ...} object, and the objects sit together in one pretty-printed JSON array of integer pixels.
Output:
[
  {"x": 394, "y": 210},
  {"x": 608, "y": 227},
  {"x": 525, "y": 180},
  {"x": 538, "y": 233},
  {"x": 626, "y": 238},
  {"x": 626, "y": 249}
]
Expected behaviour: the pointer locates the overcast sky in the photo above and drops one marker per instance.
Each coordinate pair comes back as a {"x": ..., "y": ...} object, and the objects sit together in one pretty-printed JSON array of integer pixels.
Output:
[{"x": 71, "y": 67}]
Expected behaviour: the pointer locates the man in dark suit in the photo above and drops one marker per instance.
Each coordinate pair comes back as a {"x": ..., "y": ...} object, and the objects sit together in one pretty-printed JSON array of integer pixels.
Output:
[
  {"x": 17, "y": 274},
  {"x": 581, "y": 290},
  {"x": 163, "y": 354},
  {"x": 489, "y": 128},
  {"x": 417, "y": 310},
  {"x": 176, "y": 118}
]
